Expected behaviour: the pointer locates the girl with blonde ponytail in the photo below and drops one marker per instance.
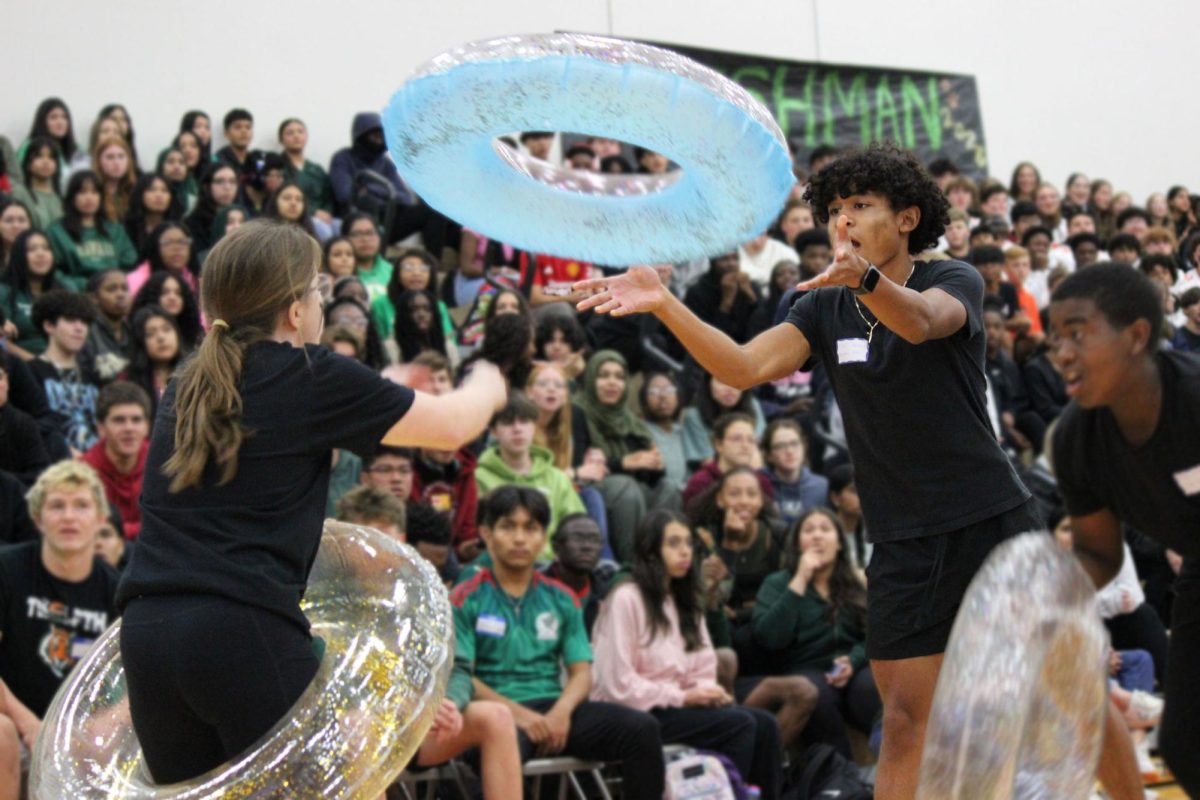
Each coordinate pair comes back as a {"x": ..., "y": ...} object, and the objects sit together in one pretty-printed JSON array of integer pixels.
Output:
[{"x": 214, "y": 644}]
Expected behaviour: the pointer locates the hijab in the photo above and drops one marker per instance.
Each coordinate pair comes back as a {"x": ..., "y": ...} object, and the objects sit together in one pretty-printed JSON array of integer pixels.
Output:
[{"x": 614, "y": 429}]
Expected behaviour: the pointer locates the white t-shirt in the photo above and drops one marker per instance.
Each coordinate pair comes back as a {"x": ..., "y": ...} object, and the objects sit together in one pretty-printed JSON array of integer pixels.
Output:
[{"x": 759, "y": 266}]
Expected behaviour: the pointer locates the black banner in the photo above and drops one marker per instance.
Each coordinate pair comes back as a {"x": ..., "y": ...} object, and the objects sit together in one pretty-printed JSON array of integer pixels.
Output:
[{"x": 936, "y": 114}]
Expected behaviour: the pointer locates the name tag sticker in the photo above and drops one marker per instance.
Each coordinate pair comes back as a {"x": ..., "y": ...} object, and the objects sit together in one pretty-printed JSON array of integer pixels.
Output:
[
  {"x": 80, "y": 647},
  {"x": 1189, "y": 480},
  {"x": 490, "y": 625},
  {"x": 852, "y": 351}
]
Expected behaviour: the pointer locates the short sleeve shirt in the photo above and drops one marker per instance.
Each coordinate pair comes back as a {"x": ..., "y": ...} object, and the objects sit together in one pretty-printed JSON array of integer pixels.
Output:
[
  {"x": 254, "y": 539},
  {"x": 926, "y": 460},
  {"x": 1154, "y": 487},
  {"x": 517, "y": 645}
]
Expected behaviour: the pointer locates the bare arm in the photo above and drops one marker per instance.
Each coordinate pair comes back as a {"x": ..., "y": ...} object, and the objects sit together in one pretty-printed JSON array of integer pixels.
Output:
[
  {"x": 449, "y": 421},
  {"x": 775, "y": 353},
  {"x": 1098, "y": 545},
  {"x": 579, "y": 684}
]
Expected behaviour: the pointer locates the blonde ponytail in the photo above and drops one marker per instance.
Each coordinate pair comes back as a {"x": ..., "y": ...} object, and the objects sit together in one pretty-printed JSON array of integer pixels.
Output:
[{"x": 250, "y": 279}]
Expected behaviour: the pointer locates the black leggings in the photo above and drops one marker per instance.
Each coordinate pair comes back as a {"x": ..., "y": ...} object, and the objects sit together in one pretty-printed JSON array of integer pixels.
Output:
[
  {"x": 856, "y": 704},
  {"x": 1179, "y": 738},
  {"x": 207, "y": 677}
]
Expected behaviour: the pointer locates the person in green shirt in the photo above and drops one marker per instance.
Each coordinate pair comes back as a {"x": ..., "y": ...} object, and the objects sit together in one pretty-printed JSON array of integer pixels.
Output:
[
  {"x": 31, "y": 273},
  {"x": 811, "y": 615},
  {"x": 84, "y": 242},
  {"x": 414, "y": 268},
  {"x": 40, "y": 190},
  {"x": 308, "y": 175},
  {"x": 371, "y": 267},
  {"x": 517, "y": 629},
  {"x": 516, "y": 460}
]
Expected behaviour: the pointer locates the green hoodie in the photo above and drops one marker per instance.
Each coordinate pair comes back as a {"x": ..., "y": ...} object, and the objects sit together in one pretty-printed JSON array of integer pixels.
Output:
[{"x": 491, "y": 472}]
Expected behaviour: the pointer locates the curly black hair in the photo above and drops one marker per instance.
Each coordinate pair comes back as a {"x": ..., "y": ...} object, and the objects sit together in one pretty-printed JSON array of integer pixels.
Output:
[{"x": 885, "y": 169}]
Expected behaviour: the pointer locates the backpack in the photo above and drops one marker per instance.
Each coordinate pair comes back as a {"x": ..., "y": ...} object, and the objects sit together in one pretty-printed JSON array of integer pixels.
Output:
[
  {"x": 825, "y": 774},
  {"x": 701, "y": 775}
]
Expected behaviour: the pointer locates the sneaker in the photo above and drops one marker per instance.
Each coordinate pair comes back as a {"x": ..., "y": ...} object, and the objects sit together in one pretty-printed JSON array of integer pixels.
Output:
[
  {"x": 1146, "y": 765},
  {"x": 1146, "y": 708}
]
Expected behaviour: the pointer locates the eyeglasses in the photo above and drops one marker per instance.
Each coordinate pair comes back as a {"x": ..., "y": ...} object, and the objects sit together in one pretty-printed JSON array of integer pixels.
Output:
[{"x": 394, "y": 469}]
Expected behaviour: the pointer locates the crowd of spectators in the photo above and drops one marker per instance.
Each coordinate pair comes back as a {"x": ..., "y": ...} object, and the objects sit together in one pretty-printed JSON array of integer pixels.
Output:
[{"x": 626, "y": 468}]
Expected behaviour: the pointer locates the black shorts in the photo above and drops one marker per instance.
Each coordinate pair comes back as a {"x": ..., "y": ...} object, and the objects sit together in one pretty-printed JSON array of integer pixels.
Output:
[{"x": 915, "y": 586}]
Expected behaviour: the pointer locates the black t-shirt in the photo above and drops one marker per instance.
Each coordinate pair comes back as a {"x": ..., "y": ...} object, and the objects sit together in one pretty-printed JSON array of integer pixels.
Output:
[
  {"x": 47, "y": 624},
  {"x": 1155, "y": 487},
  {"x": 254, "y": 539},
  {"x": 926, "y": 460}
]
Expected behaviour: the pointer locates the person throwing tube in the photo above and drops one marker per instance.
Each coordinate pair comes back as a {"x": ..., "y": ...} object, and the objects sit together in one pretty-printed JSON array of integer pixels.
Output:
[
  {"x": 215, "y": 646},
  {"x": 903, "y": 343}
]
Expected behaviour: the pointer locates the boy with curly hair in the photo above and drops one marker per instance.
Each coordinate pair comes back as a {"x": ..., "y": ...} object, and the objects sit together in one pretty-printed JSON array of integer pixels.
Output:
[{"x": 903, "y": 342}]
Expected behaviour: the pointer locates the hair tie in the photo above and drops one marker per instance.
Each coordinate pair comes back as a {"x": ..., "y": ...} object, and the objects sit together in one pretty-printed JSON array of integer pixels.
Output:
[{"x": 219, "y": 323}]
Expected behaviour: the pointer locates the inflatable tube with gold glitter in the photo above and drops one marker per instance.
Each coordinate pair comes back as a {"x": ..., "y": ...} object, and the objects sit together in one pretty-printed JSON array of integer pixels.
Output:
[{"x": 389, "y": 647}]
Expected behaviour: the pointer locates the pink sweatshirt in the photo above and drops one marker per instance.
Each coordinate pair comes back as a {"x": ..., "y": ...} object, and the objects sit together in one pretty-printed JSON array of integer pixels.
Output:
[{"x": 630, "y": 670}]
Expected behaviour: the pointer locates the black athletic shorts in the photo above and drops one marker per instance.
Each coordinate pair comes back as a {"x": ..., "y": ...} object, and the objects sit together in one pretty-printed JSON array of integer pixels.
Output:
[{"x": 915, "y": 586}]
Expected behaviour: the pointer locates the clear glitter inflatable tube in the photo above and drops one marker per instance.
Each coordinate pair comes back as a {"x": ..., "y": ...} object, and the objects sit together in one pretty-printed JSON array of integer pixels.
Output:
[
  {"x": 389, "y": 648},
  {"x": 1020, "y": 705},
  {"x": 441, "y": 127}
]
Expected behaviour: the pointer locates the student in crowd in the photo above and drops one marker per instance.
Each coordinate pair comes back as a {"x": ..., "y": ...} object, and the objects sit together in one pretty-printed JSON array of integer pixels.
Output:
[
  {"x": 1187, "y": 336},
  {"x": 41, "y": 186},
  {"x": 989, "y": 261},
  {"x": 735, "y": 444},
  {"x": 368, "y": 151},
  {"x": 374, "y": 508},
  {"x": 113, "y": 163},
  {"x": 795, "y": 219},
  {"x": 602, "y": 419},
  {"x": 199, "y": 124},
  {"x": 659, "y": 401},
  {"x": 1124, "y": 452},
  {"x": 338, "y": 259},
  {"x": 15, "y": 219},
  {"x": 445, "y": 481},
  {"x": 52, "y": 120},
  {"x": 56, "y": 598},
  {"x": 22, "y": 453},
  {"x": 654, "y": 654},
  {"x": 151, "y": 203},
  {"x": 1125, "y": 249},
  {"x": 156, "y": 353},
  {"x": 417, "y": 327},
  {"x": 168, "y": 248},
  {"x": 516, "y": 460},
  {"x": 119, "y": 457},
  {"x": 31, "y": 274},
  {"x": 170, "y": 291},
  {"x": 562, "y": 340},
  {"x": 85, "y": 240},
  {"x": 64, "y": 317},
  {"x": 183, "y": 171},
  {"x": 288, "y": 204},
  {"x": 548, "y": 387},
  {"x": 725, "y": 297},
  {"x": 218, "y": 190},
  {"x": 1025, "y": 321},
  {"x": 578, "y": 545},
  {"x": 111, "y": 544},
  {"x": 428, "y": 531},
  {"x": 215, "y": 500},
  {"x": 797, "y": 488},
  {"x": 371, "y": 267},
  {"x": 119, "y": 115},
  {"x": 308, "y": 175},
  {"x": 519, "y": 630},
  {"x": 352, "y": 313},
  {"x": 238, "y": 126},
  {"x": 414, "y": 269},
  {"x": 811, "y": 615},
  {"x": 784, "y": 276},
  {"x": 714, "y": 399},
  {"x": 390, "y": 468}
]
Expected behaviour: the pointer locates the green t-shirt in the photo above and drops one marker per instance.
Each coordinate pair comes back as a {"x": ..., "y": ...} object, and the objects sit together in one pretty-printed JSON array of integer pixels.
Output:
[
  {"x": 45, "y": 207},
  {"x": 517, "y": 646},
  {"x": 314, "y": 182},
  {"x": 77, "y": 261},
  {"x": 19, "y": 309}
]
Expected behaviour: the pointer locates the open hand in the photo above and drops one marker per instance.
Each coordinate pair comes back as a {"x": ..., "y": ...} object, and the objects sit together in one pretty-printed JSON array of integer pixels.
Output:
[
  {"x": 848, "y": 267},
  {"x": 635, "y": 291}
]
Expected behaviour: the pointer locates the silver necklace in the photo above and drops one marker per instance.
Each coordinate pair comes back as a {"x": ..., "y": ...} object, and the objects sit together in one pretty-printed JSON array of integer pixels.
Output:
[{"x": 871, "y": 325}]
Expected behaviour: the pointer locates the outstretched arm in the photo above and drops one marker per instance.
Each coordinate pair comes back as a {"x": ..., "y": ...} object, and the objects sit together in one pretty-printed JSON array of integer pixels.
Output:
[
  {"x": 773, "y": 354},
  {"x": 447, "y": 422}
]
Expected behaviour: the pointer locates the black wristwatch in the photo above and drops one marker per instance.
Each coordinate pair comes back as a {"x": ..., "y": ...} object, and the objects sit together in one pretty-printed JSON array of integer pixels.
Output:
[{"x": 869, "y": 282}]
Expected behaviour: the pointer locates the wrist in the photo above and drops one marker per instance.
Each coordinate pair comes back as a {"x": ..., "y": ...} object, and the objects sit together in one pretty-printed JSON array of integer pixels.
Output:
[{"x": 868, "y": 280}]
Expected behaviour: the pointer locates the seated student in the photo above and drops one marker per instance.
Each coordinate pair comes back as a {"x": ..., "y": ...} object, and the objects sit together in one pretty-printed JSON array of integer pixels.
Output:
[
  {"x": 989, "y": 261},
  {"x": 31, "y": 273},
  {"x": 784, "y": 276},
  {"x": 1020, "y": 428},
  {"x": 1086, "y": 249},
  {"x": 109, "y": 343},
  {"x": 654, "y": 654},
  {"x": 1187, "y": 335},
  {"x": 736, "y": 445},
  {"x": 1124, "y": 248},
  {"x": 797, "y": 488},
  {"x": 601, "y": 420},
  {"x": 577, "y": 544},
  {"x": 111, "y": 544},
  {"x": 1026, "y": 322},
  {"x": 561, "y": 340},
  {"x": 725, "y": 296},
  {"x": 22, "y": 453},
  {"x": 56, "y": 597},
  {"x": 844, "y": 500},
  {"x": 84, "y": 241},
  {"x": 736, "y": 528},
  {"x": 15, "y": 524},
  {"x": 119, "y": 458},
  {"x": 515, "y": 459},
  {"x": 713, "y": 400},
  {"x": 812, "y": 616},
  {"x": 157, "y": 351},
  {"x": 374, "y": 508},
  {"x": 659, "y": 401},
  {"x": 64, "y": 317},
  {"x": 445, "y": 480},
  {"x": 173, "y": 295},
  {"x": 428, "y": 531},
  {"x": 391, "y": 469},
  {"x": 518, "y": 630}
]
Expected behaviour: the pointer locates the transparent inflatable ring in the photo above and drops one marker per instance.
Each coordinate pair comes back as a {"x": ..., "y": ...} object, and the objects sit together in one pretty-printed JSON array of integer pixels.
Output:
[
  {"x": 389, "y": 648},
  {"x": 1020, "y": 704},
  {"x": 441, "y": 128}
]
